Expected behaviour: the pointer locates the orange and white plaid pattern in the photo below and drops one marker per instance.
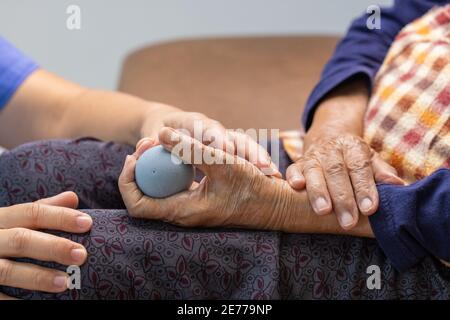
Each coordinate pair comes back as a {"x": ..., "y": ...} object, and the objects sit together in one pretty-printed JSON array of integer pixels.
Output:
[{"x": 408, "y": 118}]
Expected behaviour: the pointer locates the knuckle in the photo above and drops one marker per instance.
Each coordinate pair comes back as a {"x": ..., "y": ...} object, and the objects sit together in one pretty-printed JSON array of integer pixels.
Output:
[
  {"x": 359, "y": 164},
  {"x": 5, "y": 270},
  {"x": 60, "y": 249},
  {"x": 39, "y": 280},
  {"x": 34, "y": 213},
  {"x": 334, "y": 168},
  {"x": 197, "y": 116},
  {"x": 362, "y": 185},
  {"x": 19, "y": 240},
  {"x": 60, "y": 218},
  {"x": 343, "y": 200},
  {"x": 309, "y": 164}
]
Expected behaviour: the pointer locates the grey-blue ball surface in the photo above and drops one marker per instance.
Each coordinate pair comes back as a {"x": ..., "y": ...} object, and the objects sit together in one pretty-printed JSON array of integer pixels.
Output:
[{"x": 159, "y": 177}]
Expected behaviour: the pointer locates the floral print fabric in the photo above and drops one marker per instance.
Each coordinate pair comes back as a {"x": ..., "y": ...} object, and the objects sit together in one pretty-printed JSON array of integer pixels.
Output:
[{"x": 139, "y": 259}]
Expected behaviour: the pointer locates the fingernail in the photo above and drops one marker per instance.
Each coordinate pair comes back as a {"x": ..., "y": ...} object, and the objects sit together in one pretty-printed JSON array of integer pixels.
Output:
[
  {"x": 78, "y": 255},
  {"x": 346, "y": 219},
  {"x": 84, "y": 222},
  {"x": 274, "y": 166},
  {"x": 60, "y": 282},
  {"x": 366, "y": 204},
  {"x": 320, "y": 204}
]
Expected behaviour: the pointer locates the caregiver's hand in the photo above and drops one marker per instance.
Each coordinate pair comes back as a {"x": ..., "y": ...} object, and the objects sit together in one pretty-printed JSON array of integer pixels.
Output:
[
  {"x": 233, "y": 193},
  {"x": 338, "y": 168},
  {"x": 18, "y": 239},
  {"x": 210, "y": 132}
]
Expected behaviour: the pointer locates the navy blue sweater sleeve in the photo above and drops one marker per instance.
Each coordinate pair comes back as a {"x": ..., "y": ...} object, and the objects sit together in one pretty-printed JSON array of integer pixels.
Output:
[
  {"x": 15, "y": 67},
  {"x": 362, "y": 51},
  {"x": 414, "y": 221}
]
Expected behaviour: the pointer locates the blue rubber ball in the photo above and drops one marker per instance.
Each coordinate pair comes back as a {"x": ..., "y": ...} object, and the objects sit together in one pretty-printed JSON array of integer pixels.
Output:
[{"x": 159, "y": 177}]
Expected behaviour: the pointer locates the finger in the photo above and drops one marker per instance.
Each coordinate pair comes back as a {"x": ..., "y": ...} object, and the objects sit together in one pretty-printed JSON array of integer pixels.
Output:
[
  {"x": 384, "y": 172},
  {"x": 144, "y": 146},
  {"x": 216, "y": 136},
  {"x": 295, "y": 177},
  {"x": 252, "y": 151},
  {"x": 41, "y": 216},
  {"x": 316, "y": 186},
  {"x": 129, "y": 190},
  {"x": 194, "y": 185},
  {"x": 192, "y": 151},
  {"x": 31, "y": 277},
  {"x": 67, "y": 199},
  {"x": 340, "y": 189},
  {"x": 359, "y": 166},
  {"x": 26, "y": 243},
  {"x": 146, "y": 140}
]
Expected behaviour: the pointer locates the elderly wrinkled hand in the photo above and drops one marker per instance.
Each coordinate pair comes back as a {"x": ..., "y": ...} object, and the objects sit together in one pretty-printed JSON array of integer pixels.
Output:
[
  {"x": 232, "y": 193},
  {"x": 339, "y": 173}
]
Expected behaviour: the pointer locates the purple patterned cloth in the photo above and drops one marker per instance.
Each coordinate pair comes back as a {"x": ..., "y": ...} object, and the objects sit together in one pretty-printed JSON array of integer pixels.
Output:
[{"x": 140, "y": 259}]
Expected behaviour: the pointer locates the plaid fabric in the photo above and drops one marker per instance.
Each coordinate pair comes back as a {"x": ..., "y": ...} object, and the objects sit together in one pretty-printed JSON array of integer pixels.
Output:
[{"x": 408, "y": 118}]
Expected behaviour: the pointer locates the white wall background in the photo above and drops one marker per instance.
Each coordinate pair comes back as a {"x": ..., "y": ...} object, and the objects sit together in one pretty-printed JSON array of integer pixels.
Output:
[{"x": 111, "y": 28}]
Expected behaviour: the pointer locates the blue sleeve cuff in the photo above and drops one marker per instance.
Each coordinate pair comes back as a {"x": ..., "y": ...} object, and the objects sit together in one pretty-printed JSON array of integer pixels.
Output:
[
  {"x": 15, "y": 67},
  {"x": 413, "y": 221},
  {"x": 403, "y": 254}
]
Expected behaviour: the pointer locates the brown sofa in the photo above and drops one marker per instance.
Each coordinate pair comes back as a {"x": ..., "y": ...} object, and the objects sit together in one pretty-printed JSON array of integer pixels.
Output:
[{"x": 260, "y": 82}]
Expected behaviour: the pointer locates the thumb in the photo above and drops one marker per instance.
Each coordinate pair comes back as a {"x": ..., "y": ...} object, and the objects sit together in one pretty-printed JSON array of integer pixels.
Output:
[
  {"x": 384, "y": 172},
  {"x": 67, "y": 199}
]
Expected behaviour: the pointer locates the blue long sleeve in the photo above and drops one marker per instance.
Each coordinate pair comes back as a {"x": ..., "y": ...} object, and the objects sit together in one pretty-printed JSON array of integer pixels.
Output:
[
  {"x": 362, "y": 51},
  {"x": 414, "y": 221},
  {"x": 14, "y": 69}
]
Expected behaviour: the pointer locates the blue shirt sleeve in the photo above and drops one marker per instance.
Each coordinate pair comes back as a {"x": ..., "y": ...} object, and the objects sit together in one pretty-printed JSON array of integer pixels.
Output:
[
  {"x": 362, "y": 51},
  {"x": 414, "y": 221},
  {"x": 15, "y": 67}
]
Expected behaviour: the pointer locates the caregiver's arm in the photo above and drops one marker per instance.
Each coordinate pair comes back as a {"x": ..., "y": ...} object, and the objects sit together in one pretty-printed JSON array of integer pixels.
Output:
[
  {"x": 35, "y": 104},
  {"x": 46, "y": 106}
]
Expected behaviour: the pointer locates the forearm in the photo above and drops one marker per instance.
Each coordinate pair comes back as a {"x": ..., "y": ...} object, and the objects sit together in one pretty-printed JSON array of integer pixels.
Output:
[
  {"x": 341, "y": 111},
  {"x": 289, "y": 210},
  {"x": 112, "y": 116},
  {"x": 47, "y": 107}
]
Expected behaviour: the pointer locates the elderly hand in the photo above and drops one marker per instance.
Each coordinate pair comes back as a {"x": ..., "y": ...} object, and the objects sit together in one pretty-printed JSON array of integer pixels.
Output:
[
  {"x": 338, "y": 168},
  {"x": 340, "y": 174},
  {"x": 233, "y": 192},
  {"x": 19, "y": 239},
  {"x": 212, "y": 133}
]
